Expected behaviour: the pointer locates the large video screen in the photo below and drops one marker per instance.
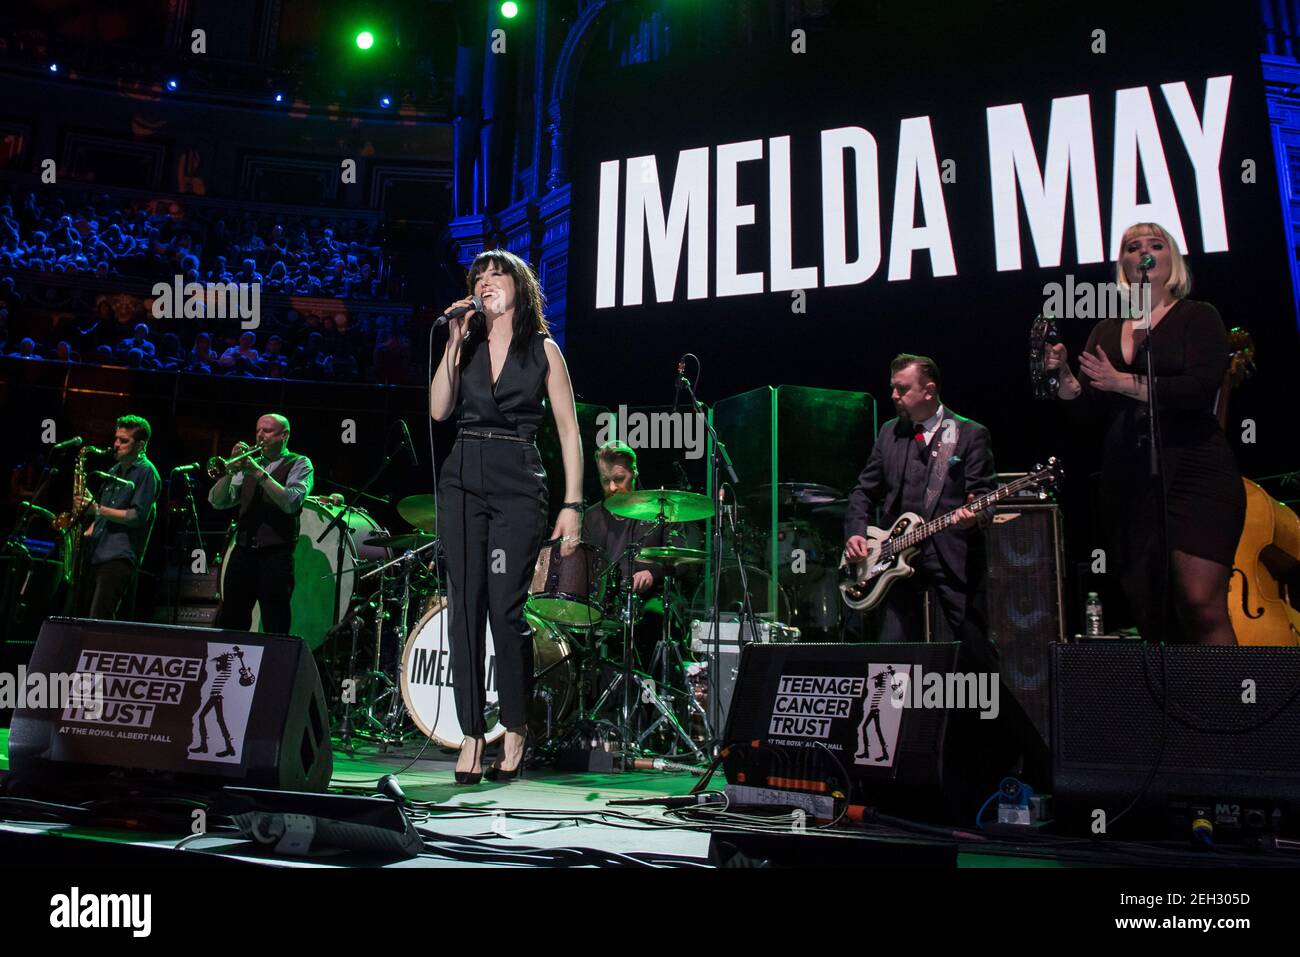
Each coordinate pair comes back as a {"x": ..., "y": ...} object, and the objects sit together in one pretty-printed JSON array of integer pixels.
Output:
[{"x": 921, "y": 183}]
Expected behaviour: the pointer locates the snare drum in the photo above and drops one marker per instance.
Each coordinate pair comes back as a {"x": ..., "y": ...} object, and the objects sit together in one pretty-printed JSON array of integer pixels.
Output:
[
  {"x": 316, "y": 566},
  {"x": 566, "y": 588},
  {"x": 430, "y": 692}
]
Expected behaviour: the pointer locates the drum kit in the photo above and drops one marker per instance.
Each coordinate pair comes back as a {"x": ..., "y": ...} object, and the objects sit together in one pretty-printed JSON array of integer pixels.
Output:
[{"x": 613, "y": 669}]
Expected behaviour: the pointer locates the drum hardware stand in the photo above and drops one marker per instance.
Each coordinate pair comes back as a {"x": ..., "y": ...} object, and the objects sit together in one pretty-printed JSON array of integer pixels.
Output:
[
  {"x": 383, "y": 726},
  {"x": 628, "y": 676},
  {"x": 346, "y": 731},
  {"x": 669, "y": 659}
]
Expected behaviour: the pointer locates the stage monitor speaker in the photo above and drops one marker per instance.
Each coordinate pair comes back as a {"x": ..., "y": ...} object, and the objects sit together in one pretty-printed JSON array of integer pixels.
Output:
[
  {"x": 855, "y": 718},
  {"x": 1230, "y": 737},
  {"x": 221, "y": 707},
  {"x": 1026, "y": 602}
]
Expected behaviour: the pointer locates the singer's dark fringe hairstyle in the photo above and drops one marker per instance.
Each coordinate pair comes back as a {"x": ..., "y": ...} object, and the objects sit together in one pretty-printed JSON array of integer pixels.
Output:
[
  {"x": 139, "y": 427},
  {"x": 530, "y": 302}
]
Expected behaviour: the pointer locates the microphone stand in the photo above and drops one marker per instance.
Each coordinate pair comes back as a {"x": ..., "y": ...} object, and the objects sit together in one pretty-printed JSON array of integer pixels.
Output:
[
  {"x": 1152, "y": 439},
  {"x": 191, "y": 520},
  {"x": 717, "y": 462}
]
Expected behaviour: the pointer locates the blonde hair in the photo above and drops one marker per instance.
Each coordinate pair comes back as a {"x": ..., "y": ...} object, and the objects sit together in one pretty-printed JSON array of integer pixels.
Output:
[{"x": 1180, "y": 277}]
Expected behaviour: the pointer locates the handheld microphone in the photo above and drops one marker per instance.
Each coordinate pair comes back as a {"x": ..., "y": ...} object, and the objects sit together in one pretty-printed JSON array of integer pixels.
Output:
[
  {"x": 476, "y": 305},
  {"x": 73, "y": 443}
]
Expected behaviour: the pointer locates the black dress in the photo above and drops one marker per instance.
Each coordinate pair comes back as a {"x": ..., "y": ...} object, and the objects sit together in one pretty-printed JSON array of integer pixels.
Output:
[
  {"x": 492, "y": 510},
  {"x": 1204, "y": 494}
]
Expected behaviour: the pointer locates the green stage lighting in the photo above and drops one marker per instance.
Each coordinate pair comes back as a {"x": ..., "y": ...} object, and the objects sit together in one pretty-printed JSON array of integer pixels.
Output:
[
  {"x": 365, "y": 39},
  {"x": 509, "y": 9}
]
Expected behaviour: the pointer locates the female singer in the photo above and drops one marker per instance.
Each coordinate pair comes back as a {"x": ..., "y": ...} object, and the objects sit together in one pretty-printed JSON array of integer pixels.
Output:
[
  {"x": 498, "y": 367},
  {"x": 1204, "y": 496}
]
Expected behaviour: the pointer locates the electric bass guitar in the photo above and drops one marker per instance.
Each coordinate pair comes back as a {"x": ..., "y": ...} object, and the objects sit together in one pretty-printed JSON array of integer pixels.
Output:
[{"x": 864, "y": 583}]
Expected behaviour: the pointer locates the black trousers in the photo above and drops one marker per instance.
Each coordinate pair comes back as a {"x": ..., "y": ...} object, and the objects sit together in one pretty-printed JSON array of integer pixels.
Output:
[
  {"x": 964, "y": 606},
  {"x": 262, "y": 577},
  {"x": 107, "y": 585},
  {"x": 492, "y": 505}
]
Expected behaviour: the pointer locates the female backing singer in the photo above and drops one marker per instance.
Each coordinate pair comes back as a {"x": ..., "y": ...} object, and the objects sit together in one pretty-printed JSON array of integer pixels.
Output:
[
  {"x": 498, "y": 367},
  {"x": 1204, "y": 496}
]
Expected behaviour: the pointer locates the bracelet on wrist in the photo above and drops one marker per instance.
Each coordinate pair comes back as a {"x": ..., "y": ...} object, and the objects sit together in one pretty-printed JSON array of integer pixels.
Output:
[{"x": 576, "y": 506}]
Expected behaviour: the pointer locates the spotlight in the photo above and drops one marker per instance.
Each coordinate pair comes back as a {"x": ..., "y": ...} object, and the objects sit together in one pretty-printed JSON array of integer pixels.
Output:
[
  {"x": 173, "y": 85},
  {"x": 385, "y": 101},
  {"x": 54, "y": 68},
  {"x": 509, "y": 9},
  {"x": 365, "y": 39},
  {"x": 279, "y": 97}
]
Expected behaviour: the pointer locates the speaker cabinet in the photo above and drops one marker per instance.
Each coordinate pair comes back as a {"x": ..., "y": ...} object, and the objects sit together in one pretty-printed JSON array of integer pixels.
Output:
[{"x": 222, "y": 707}]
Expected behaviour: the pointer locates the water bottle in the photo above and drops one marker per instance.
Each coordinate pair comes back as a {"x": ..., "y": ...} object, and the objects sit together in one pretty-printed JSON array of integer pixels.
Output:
[{"x": 1093, "y": 627}]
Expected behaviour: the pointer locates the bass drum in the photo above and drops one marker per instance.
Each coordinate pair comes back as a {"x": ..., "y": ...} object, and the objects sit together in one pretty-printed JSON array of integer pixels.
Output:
[
  {"x": 429, "y": 691},
  {"x": 316, "y": 566}
]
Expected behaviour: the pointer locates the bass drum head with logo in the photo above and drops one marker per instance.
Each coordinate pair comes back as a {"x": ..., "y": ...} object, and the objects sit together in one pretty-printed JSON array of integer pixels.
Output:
[{"x": 429, "y": 690}]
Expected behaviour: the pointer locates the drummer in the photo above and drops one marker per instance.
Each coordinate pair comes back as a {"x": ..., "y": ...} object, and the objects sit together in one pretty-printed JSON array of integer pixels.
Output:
[{"x": 612, "y": 534}]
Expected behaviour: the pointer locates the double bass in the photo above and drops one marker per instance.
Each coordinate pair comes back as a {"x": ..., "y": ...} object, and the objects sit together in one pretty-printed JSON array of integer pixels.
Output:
[{"x": 1260, "y": 606}]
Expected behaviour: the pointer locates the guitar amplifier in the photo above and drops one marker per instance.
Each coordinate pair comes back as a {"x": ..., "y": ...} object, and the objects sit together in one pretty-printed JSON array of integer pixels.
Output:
[
  {"x": 729, "y": 649},
  {"x": 1026, "y": 602}
]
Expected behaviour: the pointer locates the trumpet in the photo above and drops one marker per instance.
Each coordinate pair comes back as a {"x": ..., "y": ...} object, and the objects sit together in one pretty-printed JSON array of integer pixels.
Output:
[{"x": 217, "y": 466}]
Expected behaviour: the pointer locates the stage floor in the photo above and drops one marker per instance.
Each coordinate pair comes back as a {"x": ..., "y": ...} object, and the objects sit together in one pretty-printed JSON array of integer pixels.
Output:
[
  {"x": 553, "y": 819},
  {"x": 546, "y": 818}
]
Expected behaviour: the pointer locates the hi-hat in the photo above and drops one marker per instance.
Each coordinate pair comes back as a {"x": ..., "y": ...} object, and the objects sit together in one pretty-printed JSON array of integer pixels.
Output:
[
  {"x": 647, "y": 504},
  {"x": 672, "y": 555}
]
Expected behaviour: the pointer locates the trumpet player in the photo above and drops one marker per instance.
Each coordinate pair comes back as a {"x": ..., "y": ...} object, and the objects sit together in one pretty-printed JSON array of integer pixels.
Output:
[{"x": 269, "y": 488}]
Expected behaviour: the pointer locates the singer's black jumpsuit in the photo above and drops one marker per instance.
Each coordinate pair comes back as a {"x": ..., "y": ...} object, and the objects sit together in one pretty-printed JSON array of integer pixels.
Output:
[{"x": 492, "y": 510}]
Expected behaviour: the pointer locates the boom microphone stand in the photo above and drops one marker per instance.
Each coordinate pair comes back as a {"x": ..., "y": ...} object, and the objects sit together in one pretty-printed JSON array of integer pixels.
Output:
[{"x": 718, "y": 461}]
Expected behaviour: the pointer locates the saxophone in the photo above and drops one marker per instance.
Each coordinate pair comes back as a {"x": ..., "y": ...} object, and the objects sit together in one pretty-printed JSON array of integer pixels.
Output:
[{"x": 70, "y": 521}]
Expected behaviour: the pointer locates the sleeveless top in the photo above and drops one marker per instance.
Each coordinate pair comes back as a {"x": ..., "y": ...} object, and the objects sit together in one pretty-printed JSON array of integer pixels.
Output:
[{"x": 516, "y": 404}]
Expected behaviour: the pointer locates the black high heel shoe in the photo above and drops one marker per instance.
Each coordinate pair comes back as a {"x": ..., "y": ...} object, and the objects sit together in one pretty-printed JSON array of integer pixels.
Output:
[
  {"x": 495, "y": 772},
  {"x": 471, "y": 777}
]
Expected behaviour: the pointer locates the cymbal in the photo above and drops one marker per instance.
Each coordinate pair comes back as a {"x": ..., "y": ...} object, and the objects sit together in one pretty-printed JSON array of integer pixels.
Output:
[
  {"x": 670, "y": 555},
  {"x": 420, "y": 510},
  {"x": 646, "y": 504},
  {"x": 796, "y": 493},
  {"x": 408, "y": 540}
]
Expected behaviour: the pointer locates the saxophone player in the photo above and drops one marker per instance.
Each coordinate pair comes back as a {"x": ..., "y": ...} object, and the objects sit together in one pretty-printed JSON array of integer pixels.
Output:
[
  {"x": 269, "y": 494},
  {"x": 123, "y": 519}
]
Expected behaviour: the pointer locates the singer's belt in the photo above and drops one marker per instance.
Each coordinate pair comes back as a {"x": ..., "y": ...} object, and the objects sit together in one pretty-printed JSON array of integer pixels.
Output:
[{"x": 507, "y": 436}]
